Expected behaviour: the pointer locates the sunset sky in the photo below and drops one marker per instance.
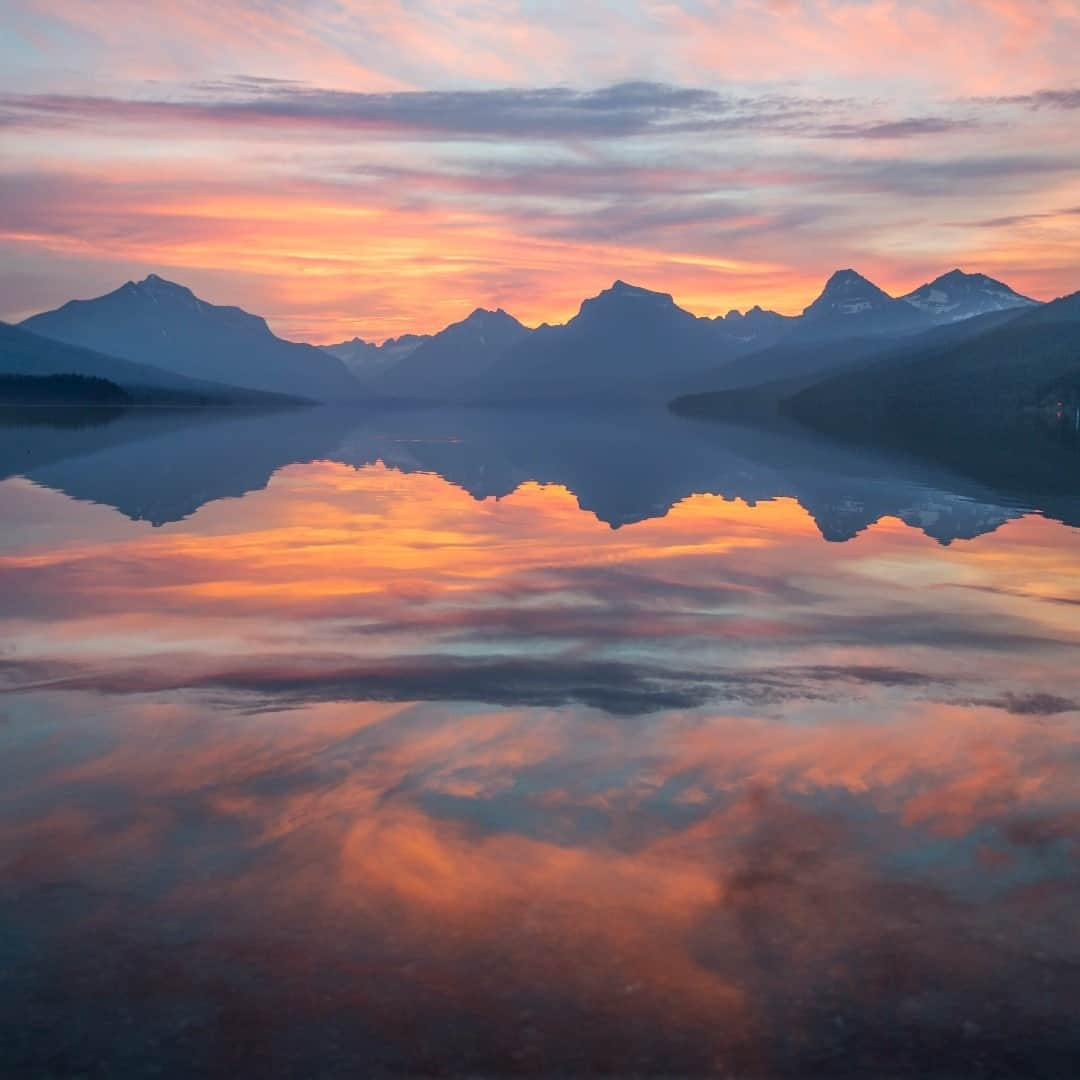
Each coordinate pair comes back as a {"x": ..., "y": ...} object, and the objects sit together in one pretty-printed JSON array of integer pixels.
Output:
[{"x": 374, "y": 167}]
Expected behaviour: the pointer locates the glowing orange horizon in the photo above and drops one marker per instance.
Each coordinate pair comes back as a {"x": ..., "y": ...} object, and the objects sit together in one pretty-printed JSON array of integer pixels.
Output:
[{"x": 388, "y": 168}]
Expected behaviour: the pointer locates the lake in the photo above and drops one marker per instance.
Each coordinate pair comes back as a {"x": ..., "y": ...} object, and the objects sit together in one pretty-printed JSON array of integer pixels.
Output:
[{"x": 475, "y": 742}]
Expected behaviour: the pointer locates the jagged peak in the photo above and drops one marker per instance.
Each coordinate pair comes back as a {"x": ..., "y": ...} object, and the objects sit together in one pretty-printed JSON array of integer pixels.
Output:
[
  {"x": 957, "y": 294},
  {"x": 958, "y": 276},
  {"x": 485, "y": 316},
  {"x": 624, "y": 288},
  {"x": 155, "y": 283},
  {"x": 848, "y": 279},
  {"x": 620, "y": 292},
  {"x": 848, "y": 292}
]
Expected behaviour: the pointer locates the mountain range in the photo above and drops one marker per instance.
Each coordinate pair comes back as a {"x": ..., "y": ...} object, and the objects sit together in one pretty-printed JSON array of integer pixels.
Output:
[
  {"x": 627, "y": 343},
  {"x": 367, "y": 361},
  {"x": 634, "y": 342}
]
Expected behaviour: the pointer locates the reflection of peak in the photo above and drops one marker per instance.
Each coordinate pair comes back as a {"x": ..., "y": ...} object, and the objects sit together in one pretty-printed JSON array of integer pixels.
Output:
[{"x": 163, "y": 468}]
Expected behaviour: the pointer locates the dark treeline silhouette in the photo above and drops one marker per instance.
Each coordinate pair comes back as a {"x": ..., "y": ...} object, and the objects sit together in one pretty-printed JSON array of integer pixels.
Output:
[
  {"x": 61, "y": 390},
  {"x": 24, "y": 354}
]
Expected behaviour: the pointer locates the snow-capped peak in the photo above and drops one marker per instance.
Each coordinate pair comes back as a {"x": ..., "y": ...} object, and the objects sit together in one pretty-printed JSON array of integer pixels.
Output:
[
  {"x": 958, "y": 295},
  {"x": 847, "y": 292}
]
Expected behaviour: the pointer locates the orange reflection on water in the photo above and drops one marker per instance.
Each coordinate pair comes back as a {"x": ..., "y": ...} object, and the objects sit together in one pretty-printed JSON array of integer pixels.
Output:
[{"x": 384, "y": 759}]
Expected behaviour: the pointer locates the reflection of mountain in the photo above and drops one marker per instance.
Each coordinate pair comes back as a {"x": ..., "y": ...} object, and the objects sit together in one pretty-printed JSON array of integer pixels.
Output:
[
  {"x": 624, "y": 466},
  {"x": 162, "y": 466}
]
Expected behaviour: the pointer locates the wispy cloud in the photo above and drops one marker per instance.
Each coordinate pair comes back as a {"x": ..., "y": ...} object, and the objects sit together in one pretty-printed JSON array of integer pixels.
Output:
[
  {"x": 618, "y": 111},
  {"x": 1041, "y": 99},
  {"x": 449, "y": 155}
]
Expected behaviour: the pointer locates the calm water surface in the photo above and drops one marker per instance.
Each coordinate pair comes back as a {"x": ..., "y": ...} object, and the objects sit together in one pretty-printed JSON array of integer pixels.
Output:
[{"x": 391, "y": 758}]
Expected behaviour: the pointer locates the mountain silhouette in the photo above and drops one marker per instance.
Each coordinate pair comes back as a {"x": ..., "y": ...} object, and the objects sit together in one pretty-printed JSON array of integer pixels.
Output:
[
  {"x": 1030, "y": 362},
  {"x": 623, "y": 343},
  {"x": 157, "y": 322},
  {"x": 367, "y": 361},
  {"x": 956, "y": 295},
  {"x": 852, "y": 306},
  {"x": 28, "y": 354},
  {"x": 450, "y": 364},
  {"x": 626, "y": 343},
  {"x": 781, "y": 370}
]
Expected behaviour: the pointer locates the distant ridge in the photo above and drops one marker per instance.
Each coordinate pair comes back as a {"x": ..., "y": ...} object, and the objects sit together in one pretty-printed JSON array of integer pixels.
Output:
[
  {"x": 23, "y": 353},
  {"x": 626, "y": 342},
  {"x": 1031, "y": 362},
  {"x": 158, "y": 322},
  {"x": 955, "y": 296},
  {"x": 367, "y": 361},
  {"x": 447, "y": 365}
]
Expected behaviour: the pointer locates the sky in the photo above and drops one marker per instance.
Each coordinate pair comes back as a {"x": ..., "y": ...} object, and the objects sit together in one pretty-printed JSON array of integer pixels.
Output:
[{"x": 375, "y": 167}]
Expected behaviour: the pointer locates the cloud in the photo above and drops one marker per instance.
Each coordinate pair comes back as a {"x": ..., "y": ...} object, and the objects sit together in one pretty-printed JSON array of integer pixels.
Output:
[
  {"x": 1036, "y": 703},
  {"x": 1041, "y": 99},
  {"x": 618, "y": 111},
  {"x": 1010, "y": 220},
  {"x": 907, "y": 128}
]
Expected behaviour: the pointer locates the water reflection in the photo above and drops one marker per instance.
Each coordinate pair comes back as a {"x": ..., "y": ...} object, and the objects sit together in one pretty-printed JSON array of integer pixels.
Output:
[
  {"x": 623, "y": 465},
  {"x": 364, "y": 772}
]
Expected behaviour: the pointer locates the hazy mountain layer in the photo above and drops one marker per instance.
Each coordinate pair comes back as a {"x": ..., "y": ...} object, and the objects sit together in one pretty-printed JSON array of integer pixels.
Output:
[
  {"x": 160, "y": 323},
  {"x": 626, "y": 343},
  {"x": 27, "y": 354}
]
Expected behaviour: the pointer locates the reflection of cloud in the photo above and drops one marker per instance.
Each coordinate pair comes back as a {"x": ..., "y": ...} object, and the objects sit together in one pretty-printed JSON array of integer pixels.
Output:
[
  {"x": 712, "y": 803},
  {"x": 337, "y": 584},
  {"x": 743, "y": 890},
  {"x": 618, "y": 688}
]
